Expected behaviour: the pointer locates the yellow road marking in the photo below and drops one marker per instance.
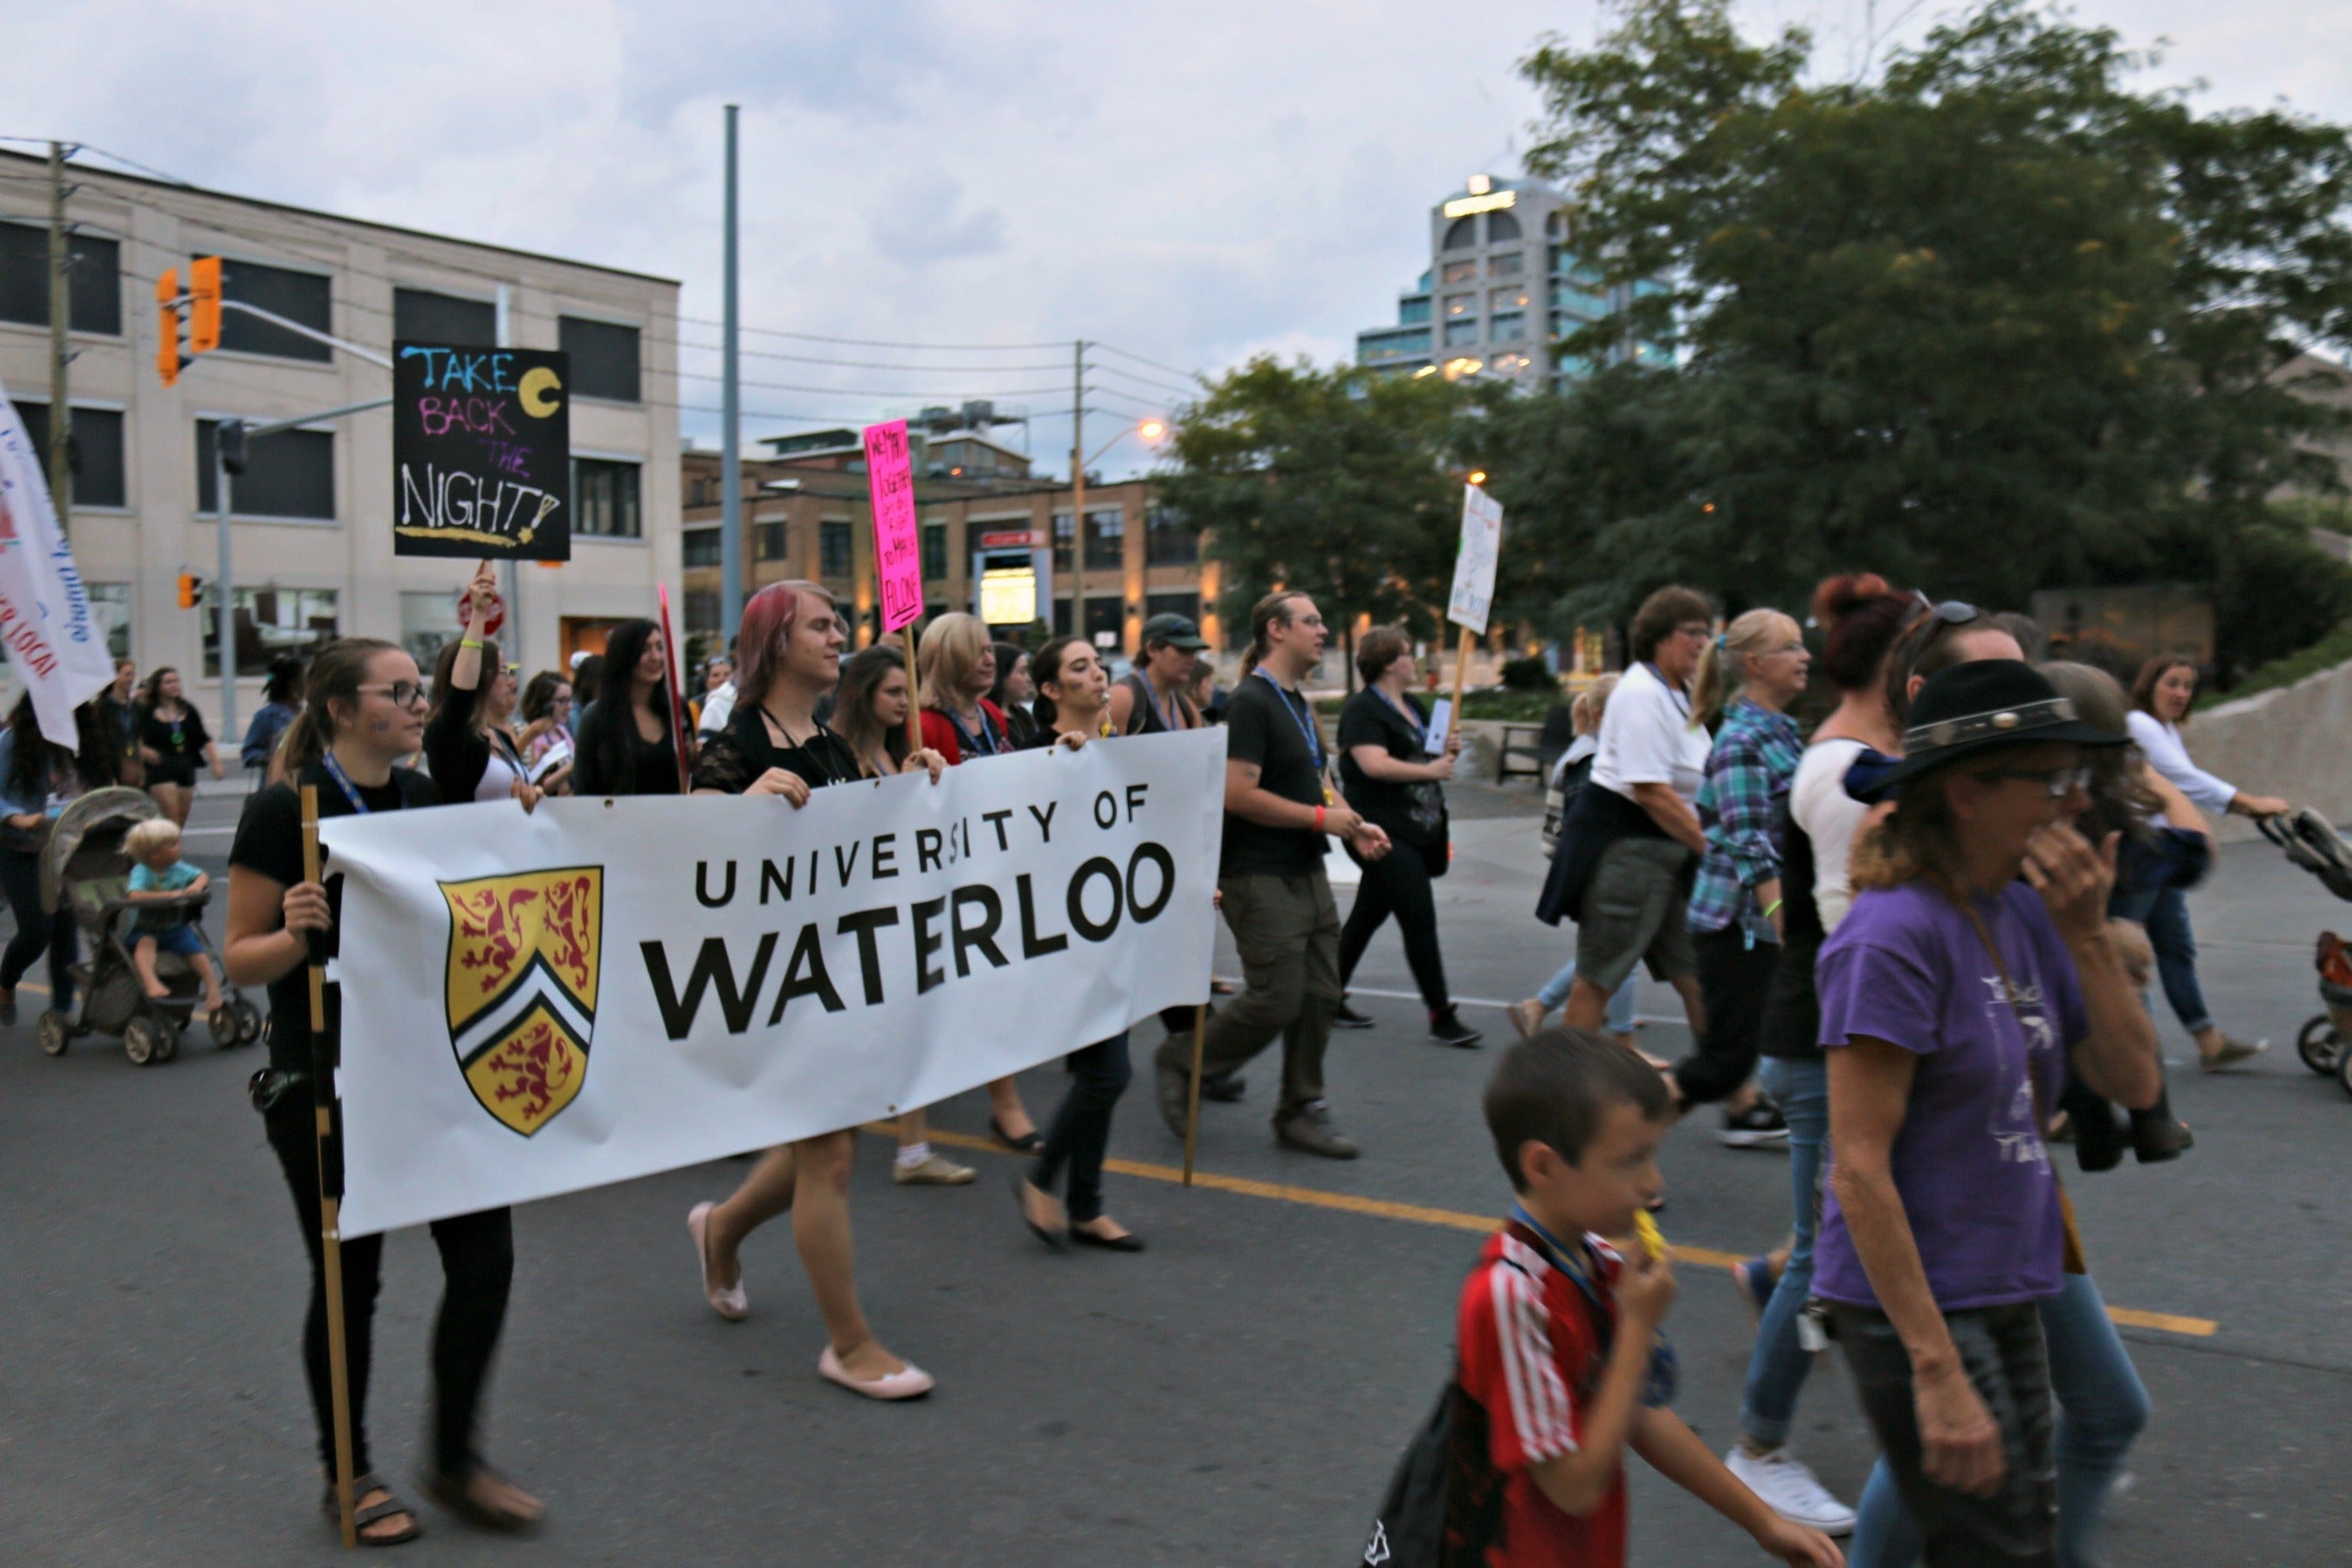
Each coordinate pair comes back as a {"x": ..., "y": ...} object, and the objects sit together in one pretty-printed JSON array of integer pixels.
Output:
[{"x": 1451, "y": 1219}]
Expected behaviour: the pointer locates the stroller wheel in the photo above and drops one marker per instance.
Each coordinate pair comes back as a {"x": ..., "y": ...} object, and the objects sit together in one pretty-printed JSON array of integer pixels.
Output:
[
  {"x": 222, "y": 1022},
  {"x": 2319, "y": 1045},
  {"x": 248, "y": 1020},
  {"x": 53, "y": 1033},
  {"x": 144, "y": 1041}
]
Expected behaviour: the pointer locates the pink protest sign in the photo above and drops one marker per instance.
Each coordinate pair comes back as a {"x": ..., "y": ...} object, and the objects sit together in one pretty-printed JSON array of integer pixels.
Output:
[{"x": 897, "y": 547}]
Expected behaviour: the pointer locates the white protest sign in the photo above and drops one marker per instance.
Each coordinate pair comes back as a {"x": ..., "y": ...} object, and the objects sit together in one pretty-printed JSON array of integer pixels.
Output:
[
  {"x": 605, "y": 989},
  {"x": 1474, "y": 565},
  {"x": 47, "y": 627}
]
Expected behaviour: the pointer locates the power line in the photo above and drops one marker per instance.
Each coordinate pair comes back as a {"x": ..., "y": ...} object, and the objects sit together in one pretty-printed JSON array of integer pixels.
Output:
[
  {"x": 1151, "y": 382},
  {"x": 1138, "y": 359}
]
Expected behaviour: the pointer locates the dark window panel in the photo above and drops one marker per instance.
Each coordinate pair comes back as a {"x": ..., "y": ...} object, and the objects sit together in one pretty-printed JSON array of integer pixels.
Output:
[
  {"x": 700, "y": 547},
  {"x": 304, "y": 297},
  {"x": 1167, "y": 541},
  {"x": 605, "y": 502},
  {"x": 768, "y": 541},
  {"x": 1106, "y": 614},
  {"x": 834, "y": 550},
  {"x": 603, "y": 359},
  {"x": 421, "y": 316},
  {"x": 97, "y": 471},
  {"x": 269, "y": 622},
  {"x": 290, "y": 474},
  {"x": 935, "y": 552},
  {"x": 93, "y": 289},
  {"x": 1187, "y": 604},
  {"x": 1105, "y": 539}
]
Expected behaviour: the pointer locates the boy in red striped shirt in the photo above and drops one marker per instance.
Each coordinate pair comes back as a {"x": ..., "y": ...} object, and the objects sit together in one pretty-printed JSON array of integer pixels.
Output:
[{"x": 1558, "y": 1333}]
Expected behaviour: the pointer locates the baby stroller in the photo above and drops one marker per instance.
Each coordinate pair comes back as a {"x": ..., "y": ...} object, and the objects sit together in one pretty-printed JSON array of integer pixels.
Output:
[
  {"x": 2307, "y": 839},
  {"x": 86, "y": 870}
]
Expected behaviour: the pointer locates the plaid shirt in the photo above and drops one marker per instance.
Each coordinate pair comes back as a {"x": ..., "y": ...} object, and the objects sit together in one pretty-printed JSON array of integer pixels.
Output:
[{"x": 1747, "y": 776}]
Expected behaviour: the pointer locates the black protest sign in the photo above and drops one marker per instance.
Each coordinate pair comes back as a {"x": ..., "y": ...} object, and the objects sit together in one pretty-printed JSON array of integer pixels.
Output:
[{"x": 481, "y": 452}]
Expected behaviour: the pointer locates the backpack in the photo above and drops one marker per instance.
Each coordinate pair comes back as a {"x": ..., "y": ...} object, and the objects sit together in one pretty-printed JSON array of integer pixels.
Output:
[
  {"x": 1443, "y": 1507},
  {"x": 1559, "y": 793}
]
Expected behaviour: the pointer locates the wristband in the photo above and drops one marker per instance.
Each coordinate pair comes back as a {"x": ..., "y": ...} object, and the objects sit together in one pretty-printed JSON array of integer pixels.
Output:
[
  {"x": 1773, "y": 908},
  {"x": 1318, "y": 818},
  {"x": 470, "y": 642}
]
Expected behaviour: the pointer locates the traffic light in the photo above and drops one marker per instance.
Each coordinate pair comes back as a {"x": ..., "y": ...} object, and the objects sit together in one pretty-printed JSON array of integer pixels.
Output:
[
  {"x": 189, "y": 585},
  {"x": 168, "y": 362},
  {"x": 204, "y": 304}
]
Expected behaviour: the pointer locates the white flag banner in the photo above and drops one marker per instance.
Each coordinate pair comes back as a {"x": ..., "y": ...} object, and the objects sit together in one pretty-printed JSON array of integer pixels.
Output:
[
  {"x": 604, "y": 989},
  {"x": 1474, "y": 564},
  {"x": 47, "y": 627}
]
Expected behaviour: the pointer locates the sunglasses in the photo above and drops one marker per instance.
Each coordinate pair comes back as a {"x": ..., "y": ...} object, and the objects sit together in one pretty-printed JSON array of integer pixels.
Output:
[
  {"x": 1950, "y": 612},
  {"x": 404, "y": 693},
  {"x": 2059, "y": 781}
]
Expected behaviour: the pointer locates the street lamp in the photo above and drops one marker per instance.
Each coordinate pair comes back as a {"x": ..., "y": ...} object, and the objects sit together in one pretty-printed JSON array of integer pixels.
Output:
[{"x": 1150, "y": 432}]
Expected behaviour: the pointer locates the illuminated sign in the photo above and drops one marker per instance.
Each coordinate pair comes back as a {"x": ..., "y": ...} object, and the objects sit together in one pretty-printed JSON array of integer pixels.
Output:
[
  {"x": 1013, "y": 539},
  {"x": 1008, "y": 595},
  {"x": 1493, "y": 201}
]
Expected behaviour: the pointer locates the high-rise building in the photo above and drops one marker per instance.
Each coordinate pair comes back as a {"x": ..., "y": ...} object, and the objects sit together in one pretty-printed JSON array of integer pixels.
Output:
[{"x": 1504, "y": 287}]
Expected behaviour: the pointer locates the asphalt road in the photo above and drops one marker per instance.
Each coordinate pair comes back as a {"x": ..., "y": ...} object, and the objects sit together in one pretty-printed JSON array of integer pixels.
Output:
[{"x": 1234, "y": 1396}]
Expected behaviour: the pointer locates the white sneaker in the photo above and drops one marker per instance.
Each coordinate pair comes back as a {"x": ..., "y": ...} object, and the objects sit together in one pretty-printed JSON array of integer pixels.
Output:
[{"x": 1790, "y": 1489}]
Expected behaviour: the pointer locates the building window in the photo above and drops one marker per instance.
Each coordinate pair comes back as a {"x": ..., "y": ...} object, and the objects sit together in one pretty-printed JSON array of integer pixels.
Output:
[
  {"x": 935, "y": 552},
  {"x": 1460, "y": 235},
  {"x": 290, "y": 474},
  {"x": 700, "y": 547},
  {"x": 96, "y": 451},
  {"x": 1105, "y": 539},
  {"x": 1508, "y": 327},
  {"x": 1459, "y": 272},
  {"x": 1376, "y": 348},
  {"x": 604, "y": 500},
  {"x": 1508, "y": 264},
  {"x": 1105, "y": 618},
  {"x": 1509, "y": 364},
  {"x": 1461, "y": 305},
  {"x": 274, "y": 621},
  {"x": 1167, "y": 541},
  {"x": 304, "y": 297},
  {"x": 702, "y": 613},
  {"x": 1413, "y": 312},
  {"x": 832, "y": 548},
  {"x": 1507, "y": 299},
  {"x": 1459, "y": 335},
  {"x": 1185, "y": 604},
  {"x": 603, "y": 359},
  {"x": 768, "y": 541},
  {"x": 1061, "y": 529},
  {"x": 1567, "y": 296},
  {"x": 421, "y": 316},
  {"x": 1502, "y": 228},
  {"x": 93, "y": 289},
  {"x": 428, "y": 622}
]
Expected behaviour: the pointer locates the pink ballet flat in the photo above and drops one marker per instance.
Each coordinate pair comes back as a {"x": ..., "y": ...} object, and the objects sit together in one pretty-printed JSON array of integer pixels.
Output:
[
  {"x": 729, "y": 1301},
  {"x": 909, "y": 1382}
]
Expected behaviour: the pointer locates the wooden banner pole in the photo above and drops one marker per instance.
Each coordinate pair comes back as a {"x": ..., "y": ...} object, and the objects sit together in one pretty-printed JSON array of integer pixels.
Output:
[
  {"x": 1461, "y": 682},
  {"x": 1192, "y": 1115},
  {"x": 322, "y": 1102},
  {"x": 913, "y": 695},
  {"x": 681, "y": 743}
]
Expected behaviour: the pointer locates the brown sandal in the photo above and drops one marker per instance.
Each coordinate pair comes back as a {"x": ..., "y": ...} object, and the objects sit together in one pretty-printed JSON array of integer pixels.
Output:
[{"x": 365, "y": 1513}]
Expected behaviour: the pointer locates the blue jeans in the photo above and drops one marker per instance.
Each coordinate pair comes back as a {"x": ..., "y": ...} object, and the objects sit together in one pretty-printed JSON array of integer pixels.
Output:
[
  {"x": 1777, "y": 1365},
  {"x": 2175, "y": 959},
  {"x": 2101, "y": 1408},
  {"x": 1618, "y": 1020}
]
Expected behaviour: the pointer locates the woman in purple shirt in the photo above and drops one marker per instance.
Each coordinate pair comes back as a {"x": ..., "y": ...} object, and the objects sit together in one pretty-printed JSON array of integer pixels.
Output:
[{"x": 1953, "y": 997}]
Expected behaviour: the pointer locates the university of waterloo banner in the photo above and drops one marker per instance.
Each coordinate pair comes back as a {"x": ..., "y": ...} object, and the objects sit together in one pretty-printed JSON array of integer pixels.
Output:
[{"x": 604, "y": 989}]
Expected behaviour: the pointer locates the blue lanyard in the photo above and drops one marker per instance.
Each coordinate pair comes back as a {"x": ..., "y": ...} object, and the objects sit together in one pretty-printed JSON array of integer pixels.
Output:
[
  {"x": 1681, "y": 698},
  {"x": 1167, "y": 714},
  {"x": 343, "y": 782},
  {"x": 1562, "y": 1258},
  {"x": 1305, "y": 720},
  {"x": 967, "y": 741},
  {"x": 1405, "y": 712}
]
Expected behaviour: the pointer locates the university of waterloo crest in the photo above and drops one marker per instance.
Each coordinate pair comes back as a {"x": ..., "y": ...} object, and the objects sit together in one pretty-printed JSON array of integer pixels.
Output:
[{"x": 523, "y": 954}]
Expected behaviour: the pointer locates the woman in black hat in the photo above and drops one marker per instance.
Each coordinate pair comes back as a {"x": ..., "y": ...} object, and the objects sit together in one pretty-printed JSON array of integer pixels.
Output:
[
  {"x": 1151, "y": 698},
  {"x": 1972, "y": 971}
]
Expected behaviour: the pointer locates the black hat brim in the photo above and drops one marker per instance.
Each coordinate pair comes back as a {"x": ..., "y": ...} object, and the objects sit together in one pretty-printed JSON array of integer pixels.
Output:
[{"x": 2074, "y": 732}]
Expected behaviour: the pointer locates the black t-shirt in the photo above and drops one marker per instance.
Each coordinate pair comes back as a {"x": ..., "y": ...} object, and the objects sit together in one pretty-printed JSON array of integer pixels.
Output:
[
  {"x": 1146, "y": 717},
  {"x": 179, "y": 742},
  {"x": 1370, "y": 718},
  {"x": 733, "y": 760},
  {"x": 653, "y": 765},
  {"x": 269, "y": 840},
  {"x": 1268, "y": 726}
]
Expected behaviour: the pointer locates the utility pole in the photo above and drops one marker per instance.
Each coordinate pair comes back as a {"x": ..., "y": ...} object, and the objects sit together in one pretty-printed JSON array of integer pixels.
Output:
[
  {"x": 60, "y": 326},
  {"x": 1078, "y": 489},
  {"x": 730, "y": 452},
  {"x": 509, "y": 577}
]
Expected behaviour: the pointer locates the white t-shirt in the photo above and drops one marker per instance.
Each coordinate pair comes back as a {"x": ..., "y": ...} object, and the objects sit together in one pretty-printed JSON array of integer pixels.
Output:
[
  {"x": 1646, "y": 737},
  {"x": 1831, "y": 817},
  {"x": 716, "y": 708},
  {"x": 2170, "y": 756}
]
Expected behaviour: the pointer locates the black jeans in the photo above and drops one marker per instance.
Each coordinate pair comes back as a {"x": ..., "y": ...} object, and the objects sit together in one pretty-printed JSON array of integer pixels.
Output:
[
  {"x": 2003, "y": 1351},
  {"x": 478, "y": 1266},
  {"x": 1734, "y": 979},
  {"x": 20, "y": 879},
  {"x": 1080, "y": 1132},
  {"x": 1398, "y": 884}
]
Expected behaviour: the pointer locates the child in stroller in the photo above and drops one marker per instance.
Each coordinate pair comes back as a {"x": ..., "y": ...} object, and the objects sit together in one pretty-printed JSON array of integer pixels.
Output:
[{"x": 157, "y": 875}]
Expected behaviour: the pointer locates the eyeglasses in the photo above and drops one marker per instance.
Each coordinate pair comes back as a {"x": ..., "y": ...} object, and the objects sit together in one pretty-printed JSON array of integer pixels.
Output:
[
  {"x": 1698, "y": 629},
  {"x": 404, "y": 693},
  {"x": 2059, "y": 781}
]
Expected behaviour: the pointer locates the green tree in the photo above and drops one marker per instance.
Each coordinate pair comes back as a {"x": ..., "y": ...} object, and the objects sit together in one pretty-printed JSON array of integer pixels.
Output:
[
  {"x": 1987, "y": 323},
  {"x": 1334, "y": 483}
]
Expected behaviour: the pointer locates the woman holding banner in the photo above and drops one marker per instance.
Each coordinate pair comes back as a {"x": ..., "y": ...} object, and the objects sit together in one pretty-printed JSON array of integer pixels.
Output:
[
  {"x": 774, "y": 746},
  {"x": 1073, "y": 692},
  {"x": 365, "y": 710},
  {"x": 625, "y": 742},
  {"x": 957, "y": 666}
]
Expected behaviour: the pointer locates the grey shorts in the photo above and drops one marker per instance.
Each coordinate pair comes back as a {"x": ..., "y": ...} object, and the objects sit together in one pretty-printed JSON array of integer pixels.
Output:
[{"x": 1635, "y": 907}]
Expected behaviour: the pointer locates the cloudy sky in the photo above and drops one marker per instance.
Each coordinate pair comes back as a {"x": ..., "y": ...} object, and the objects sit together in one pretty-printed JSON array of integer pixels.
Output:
[{"x": 1192, "y": 184}]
